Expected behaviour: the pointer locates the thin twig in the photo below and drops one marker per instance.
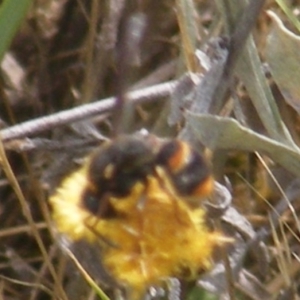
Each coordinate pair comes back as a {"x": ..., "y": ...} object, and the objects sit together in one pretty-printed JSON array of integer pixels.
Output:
[
  {"x": 238, "y": 40},
  {"x": 242, "y": 30},
  {"x": 84, "y": 111}
]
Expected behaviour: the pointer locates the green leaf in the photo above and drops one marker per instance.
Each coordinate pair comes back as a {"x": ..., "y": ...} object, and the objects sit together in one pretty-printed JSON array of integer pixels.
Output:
[
  {"x": 289, "y": 13},
  {"x": 12, "y": 13},
  {"x": 283, "y": 57},
  {"x": 226, "y": 133},
  {"x": 199, "y": 293},
  {"x": 249, "y": 70}
]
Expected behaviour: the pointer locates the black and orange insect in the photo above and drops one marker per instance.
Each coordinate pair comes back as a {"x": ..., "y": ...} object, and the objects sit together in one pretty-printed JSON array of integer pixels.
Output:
[{"x": 138, "y": 200}]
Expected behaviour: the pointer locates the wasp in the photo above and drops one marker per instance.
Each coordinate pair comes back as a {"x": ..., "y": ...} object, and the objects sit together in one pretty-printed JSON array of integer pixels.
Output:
[{"x": 137, "y": 200}]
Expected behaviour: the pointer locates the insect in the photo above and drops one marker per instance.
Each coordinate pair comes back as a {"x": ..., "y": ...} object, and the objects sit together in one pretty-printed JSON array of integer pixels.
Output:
[{"x": 136, "y": 199}]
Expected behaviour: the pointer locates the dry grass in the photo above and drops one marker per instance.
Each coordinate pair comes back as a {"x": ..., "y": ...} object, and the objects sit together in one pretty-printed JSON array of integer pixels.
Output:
[{"x": 70, "y": 53}]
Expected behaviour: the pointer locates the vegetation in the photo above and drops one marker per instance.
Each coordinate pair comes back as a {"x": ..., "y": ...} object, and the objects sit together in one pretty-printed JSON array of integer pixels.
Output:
[{"x": 222, "y": 74}]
